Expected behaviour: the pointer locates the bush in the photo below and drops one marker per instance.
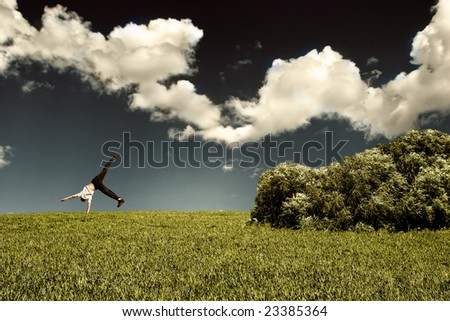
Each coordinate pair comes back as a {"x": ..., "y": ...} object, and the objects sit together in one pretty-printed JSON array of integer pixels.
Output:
[
  {"x": 418, "y": 149},
  {"x": 365, "y": 183},
  {"x": 275, "y": 186},
  {"x": 401, "y": 185},
  {"x": 426, "y": 204}
]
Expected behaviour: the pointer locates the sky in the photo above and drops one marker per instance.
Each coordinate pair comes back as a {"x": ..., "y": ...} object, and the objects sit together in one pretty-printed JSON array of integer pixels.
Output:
[{"x": 197, "y": 98}]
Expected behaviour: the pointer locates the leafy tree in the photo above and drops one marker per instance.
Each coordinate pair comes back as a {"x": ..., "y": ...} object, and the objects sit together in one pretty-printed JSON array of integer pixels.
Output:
[
  {"x": 400, "y": 186},
  {"x": 426, "y": 204},
  {"x": 275, "y": 186},
  {"x": 416, "y": 150}
]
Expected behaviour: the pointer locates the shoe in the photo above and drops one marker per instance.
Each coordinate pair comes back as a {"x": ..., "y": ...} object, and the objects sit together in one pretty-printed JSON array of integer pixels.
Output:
[{"x": 121, "y": 201}]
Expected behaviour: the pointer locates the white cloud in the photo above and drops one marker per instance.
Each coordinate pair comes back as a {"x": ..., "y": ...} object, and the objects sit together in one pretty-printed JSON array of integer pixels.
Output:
[
  {"x": 295, "y": 91},
  {"x": 240, "y": 63},
  {"x": 396, "y": 107},
  {"x": 30, "y": 85},
  {"x": 139, "y": 55},
  {"x": 372, "y": 61},
  {"x": 372, "y": 76},
  {"x": 180, "y": 100},
  {"x": 324, "y": 83},
  {"x": 5, "y": 151},
  {"x": 134, "y": 54}
]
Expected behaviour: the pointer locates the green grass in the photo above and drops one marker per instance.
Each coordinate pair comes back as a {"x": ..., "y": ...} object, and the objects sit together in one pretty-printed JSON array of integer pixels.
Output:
[{"x": 162, "y": 255}]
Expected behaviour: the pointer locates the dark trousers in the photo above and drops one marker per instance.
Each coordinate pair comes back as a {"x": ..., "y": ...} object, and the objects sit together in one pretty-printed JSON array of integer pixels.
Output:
[{"x": 98, "y": 182}]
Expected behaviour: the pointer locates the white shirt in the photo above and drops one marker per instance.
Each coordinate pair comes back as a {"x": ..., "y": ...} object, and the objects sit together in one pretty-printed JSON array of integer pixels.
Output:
[{"x": 86, "y": 193}]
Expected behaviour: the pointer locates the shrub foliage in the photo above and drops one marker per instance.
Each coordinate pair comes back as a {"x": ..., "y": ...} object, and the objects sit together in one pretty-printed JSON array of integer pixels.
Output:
[{"x": 402, "y": 185}]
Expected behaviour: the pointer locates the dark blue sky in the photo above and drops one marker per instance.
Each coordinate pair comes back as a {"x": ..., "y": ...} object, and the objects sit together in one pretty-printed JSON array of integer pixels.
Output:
[{"x": 56, "y": 123}]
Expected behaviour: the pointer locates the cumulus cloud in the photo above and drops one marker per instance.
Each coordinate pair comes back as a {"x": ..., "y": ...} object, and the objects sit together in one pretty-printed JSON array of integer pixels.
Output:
[
  {"x": 240, "y": 63},
  {"x": 5, "y": 151},
  {"x": 141, "y": 56},
  {"x": 372, "y": 61},
  {"x": 324, "y": 83},
  {"x": 128, "y": 55},
  {"x": 396, "y": 107},
  {"x": 319, "y": 84},
  {"x": 372, "y": 76},
  {"x": 180, "y": 100},
  {"x": 30, "y": 86}
]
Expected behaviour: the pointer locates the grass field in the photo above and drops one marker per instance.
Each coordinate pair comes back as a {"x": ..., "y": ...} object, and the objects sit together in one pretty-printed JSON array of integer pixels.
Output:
[{"x": 163, "y": 255}]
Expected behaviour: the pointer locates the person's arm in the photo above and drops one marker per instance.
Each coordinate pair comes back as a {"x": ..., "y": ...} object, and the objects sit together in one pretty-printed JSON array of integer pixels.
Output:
[
  {"x": 69, "y": 197},
  {"x": 88, "y": 206}
]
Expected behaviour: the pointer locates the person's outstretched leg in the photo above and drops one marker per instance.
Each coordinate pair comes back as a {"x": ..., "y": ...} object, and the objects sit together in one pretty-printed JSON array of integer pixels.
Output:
[
  {"x": 98, "y": 184},
  {"x": 98, "y": 180},
  {"x": 105, "y": 190}
]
